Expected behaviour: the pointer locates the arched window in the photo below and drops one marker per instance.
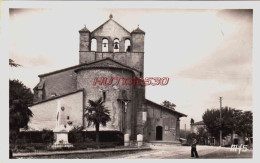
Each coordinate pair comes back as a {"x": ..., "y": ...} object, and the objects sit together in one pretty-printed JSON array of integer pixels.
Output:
[
  {"x": 93, "y": 44},
  {"x": 116, "y": 45},
  {"x": 105, "y": 45},
  {"x": 127, "y": 45}
]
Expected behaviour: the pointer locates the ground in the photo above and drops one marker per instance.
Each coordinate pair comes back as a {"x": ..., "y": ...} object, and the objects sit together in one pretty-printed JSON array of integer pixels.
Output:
[
  {"x": 183, "y": 152},
  {"x": 166, "y": 152}
]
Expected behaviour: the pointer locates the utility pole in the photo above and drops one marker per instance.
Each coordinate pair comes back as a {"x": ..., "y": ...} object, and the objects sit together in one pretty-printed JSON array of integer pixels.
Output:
[{"x": 220, "y": 133}]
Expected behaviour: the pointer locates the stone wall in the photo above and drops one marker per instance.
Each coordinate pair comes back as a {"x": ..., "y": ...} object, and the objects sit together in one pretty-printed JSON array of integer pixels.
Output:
[
  {"x": 45, "y": 114},
  {"x": 85, "y": 79},
  {"x": 137, "y": 42},
  {"x": 111, "y": 31},
  {"x": 158, "y": 116},
  {"x": 132, "y": 59},
  {"x": 59, "y": 83}
]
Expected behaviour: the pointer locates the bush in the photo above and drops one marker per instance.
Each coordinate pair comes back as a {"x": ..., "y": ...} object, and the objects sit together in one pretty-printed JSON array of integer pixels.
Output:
[
  {"x": 47, "y": 136},
  {"x": 76, "y": 135}
]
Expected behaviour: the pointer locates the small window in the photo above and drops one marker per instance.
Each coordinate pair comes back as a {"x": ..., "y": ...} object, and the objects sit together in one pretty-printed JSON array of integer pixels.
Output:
[
  {"x": 127, "y": 45},
  {"x": 93, "y": 44},
  {"x": 105, "y": 45},
  {"x": 116, "y": 45}
]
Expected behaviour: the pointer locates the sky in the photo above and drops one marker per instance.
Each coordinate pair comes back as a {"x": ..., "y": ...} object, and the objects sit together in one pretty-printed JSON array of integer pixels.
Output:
[{"x": 205, "y": 53}]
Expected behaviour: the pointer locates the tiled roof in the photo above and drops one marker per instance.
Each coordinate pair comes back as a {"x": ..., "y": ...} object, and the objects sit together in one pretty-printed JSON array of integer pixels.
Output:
[
  {"x": 56, "y": 97},
  {"x": 138, "y": 30},
  {"x": 83, "y": 30},
  {"x": 97, "y": 64},
  {"x": 199, "y": 123},
  {"x": 106, "y": 63},
  {"x": 179, "y": 113}
]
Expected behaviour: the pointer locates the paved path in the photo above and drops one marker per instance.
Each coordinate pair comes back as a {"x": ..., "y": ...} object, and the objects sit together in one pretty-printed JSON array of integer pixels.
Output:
[{"x": 169, "y": 151}]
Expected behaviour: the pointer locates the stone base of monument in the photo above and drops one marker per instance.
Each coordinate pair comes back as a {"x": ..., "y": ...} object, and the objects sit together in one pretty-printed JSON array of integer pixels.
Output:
[
  {"x": 61, "y": 140},
  {"x": 139, "y": 140},
  {"x": 126, "y": 140}
]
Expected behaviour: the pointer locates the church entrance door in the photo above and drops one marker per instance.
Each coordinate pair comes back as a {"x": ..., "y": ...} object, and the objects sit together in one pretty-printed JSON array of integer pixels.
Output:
[{"x": 159, "y": 133}]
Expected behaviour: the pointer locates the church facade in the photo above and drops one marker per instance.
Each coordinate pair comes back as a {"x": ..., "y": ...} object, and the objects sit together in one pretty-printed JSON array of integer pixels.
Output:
[{"x": 108, "y": 52}]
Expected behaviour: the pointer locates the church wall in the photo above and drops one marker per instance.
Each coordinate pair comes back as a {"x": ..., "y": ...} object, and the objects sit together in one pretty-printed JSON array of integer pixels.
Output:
[
  {"x": 87, "y": 57},
  {"x": 110, "y": 31},
  {"x": 137, "y": 42},
  {"x": 135, "y": 60},
  {"x": 60, "y": 83},
  {"x": 45, "y": 114},
  {"x": 85, "y": 79},
  {"x": 131, "y": 59},
  {"x": 157, "y": 116}
]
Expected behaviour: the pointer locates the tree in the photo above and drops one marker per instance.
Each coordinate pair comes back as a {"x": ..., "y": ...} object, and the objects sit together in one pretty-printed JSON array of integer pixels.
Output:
[
  {"x": 211, "y": 118},
  {"x": 97, "y": 114},
  {"x": 244, "y": 125},
  {"x": 13, "y": 64},
  {"x": 202, "y": 135},
  {"x": 168, "y": 104},
  {"x": 19, "y": 98},
  {"x": 18, "y": 91},
  {"x": 19, "y": 114},
  {"x": 233, "y": 121}
]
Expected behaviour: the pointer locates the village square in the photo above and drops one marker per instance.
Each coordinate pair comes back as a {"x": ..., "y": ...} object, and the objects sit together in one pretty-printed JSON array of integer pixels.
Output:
[{"x": 99, "y": 108}]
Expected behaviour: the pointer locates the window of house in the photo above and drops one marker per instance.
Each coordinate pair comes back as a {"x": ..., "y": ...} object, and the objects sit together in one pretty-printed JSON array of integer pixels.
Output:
[{"x": 105, "y": 45}]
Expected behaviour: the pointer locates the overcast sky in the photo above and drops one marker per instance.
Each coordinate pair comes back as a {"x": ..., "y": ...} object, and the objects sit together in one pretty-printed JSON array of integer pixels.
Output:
[{"x": 205, "y": 53}]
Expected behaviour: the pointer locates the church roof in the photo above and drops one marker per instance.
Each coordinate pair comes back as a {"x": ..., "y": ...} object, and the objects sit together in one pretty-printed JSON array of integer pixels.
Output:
[
  {"x": 138, "y": 30},
  {"x": 56, "y": 97},
  {"x": 108, "y": 63},
  {"x": 105, "y": 63},
  {"x": 166, "y": 108},
  {"x": 83, "y": 30},
  {"x": 199, "y": 123}
]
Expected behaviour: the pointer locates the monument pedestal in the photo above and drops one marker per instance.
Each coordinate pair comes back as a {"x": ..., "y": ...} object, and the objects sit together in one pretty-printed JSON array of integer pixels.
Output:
[
  {"x": 126, "y": 140},
  {"x": 61, "y": 139}
]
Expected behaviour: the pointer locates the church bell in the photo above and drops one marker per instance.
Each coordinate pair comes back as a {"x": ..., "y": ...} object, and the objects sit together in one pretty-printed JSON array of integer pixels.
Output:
[{"x": 116, "y": 46}]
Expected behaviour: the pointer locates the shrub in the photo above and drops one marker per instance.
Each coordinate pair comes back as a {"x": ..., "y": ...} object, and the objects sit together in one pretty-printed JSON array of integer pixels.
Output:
[{"x": 47, "y": 136}]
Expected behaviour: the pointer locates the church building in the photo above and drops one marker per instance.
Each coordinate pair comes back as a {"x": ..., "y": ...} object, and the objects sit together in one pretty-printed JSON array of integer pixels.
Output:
[{"x": 109, "y": 51}]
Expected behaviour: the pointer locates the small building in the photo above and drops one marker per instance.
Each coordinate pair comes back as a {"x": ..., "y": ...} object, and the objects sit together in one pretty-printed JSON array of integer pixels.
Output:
[
  {"x": 109, "y": 51},
  {"x": 196, "y": 127}
]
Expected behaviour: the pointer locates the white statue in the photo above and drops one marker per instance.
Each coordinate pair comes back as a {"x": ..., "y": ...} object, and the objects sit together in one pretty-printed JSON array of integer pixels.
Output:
[
  {"x": 61, "y": 129},
  {"x": 61, "y": 122}
]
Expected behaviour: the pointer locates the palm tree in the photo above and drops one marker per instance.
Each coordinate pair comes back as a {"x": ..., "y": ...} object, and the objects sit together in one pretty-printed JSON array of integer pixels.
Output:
[{"x": 96, "y": 114}]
